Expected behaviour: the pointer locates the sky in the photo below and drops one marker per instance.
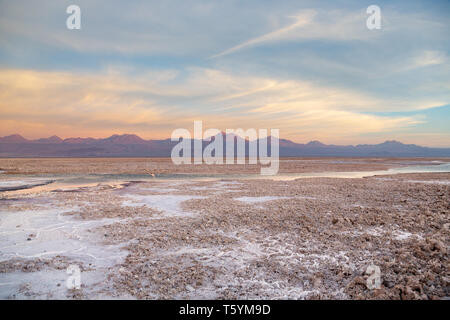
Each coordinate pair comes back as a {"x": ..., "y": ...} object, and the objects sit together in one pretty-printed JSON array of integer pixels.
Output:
[{"x": 309, "y": 68}]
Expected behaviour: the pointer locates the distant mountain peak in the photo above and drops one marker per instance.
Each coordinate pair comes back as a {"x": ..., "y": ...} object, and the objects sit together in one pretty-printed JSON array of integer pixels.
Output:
[
  {"x": 125, "y": 138},
  {"x": 395, "y": 143},
  {"x": 315, "y": 143},
  {"x": 79, "y": 140},
  {"x": 392, "y": 142},
  {"x": 52, "y": 139},
  {"x": 13, "y": 138}
]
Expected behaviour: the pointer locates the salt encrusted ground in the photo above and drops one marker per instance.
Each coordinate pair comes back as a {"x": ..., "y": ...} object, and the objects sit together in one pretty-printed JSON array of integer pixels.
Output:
[{"x": 302, "y": 239}]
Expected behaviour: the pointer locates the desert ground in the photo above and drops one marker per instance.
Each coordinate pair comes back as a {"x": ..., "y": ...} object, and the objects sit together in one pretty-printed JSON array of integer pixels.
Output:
[{"x": 223, "y": 232}]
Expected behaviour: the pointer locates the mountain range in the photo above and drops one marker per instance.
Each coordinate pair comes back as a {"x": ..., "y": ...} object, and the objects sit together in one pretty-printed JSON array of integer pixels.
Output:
[{"x": 131, "y": 145}]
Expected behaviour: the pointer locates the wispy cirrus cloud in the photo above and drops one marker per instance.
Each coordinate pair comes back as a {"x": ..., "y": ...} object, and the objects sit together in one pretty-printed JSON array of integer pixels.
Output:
[
  {"x": 429, "y": 58},
  {"x": 300, "y": 20},
  {"x": 309, "y": 24}
]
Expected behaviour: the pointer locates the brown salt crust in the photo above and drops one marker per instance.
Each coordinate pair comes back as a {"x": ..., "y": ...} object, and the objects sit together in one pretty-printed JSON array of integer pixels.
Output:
[
  {"x": 412, "y": 268},
  {"x": 38, "y": 264}
]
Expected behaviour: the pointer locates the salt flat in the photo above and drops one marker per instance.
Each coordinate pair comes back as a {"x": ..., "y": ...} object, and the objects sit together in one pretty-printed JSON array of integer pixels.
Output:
[{"x": 306, "y": 238}]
